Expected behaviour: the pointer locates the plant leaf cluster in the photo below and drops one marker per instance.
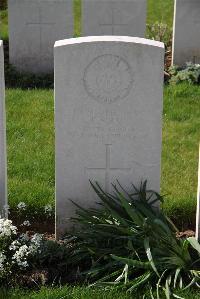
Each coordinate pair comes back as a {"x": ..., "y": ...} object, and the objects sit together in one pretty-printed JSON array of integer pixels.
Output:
[
  {"x": 130, "y": 244},
  {"x": 189, "y": 73}
]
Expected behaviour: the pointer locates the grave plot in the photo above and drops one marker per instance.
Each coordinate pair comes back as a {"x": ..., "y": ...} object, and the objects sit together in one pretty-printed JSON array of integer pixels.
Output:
[
  {"x": 108, "y": 111},
  {"x": 114, "y": 17},
  {"x": 186, "y": 38},
  {"x": 34, "y": 26}
]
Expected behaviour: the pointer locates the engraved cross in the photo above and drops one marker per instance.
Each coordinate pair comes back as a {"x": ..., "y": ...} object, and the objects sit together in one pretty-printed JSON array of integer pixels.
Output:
[
  {"x": 113, "y": 24},
  {"x": 40, "y": 23},
  {"x": 108, "y": 169}
]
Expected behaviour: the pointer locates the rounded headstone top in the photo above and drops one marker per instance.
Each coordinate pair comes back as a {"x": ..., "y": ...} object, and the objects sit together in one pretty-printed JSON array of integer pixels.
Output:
[{"x": 110, "y": 38}]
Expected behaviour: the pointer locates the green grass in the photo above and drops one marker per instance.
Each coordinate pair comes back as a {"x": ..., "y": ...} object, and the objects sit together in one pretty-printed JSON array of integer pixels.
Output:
[
  {"x": 81, "y": 293},
  {"x": 3, "y": 25},
  {"x": 180, "y": 150},
  {"x": 30, "y": 134},
  {"x": 160, "y": 11},
  {"x": 157, "y": 11},
  {"x": 77, "y": 13}
]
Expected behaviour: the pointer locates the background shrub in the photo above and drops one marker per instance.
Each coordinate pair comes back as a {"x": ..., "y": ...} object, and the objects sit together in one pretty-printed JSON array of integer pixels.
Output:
[{"x": 3, "y": 4}]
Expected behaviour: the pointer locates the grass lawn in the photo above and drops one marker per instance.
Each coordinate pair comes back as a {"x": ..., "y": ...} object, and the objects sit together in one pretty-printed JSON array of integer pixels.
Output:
[
  {"x": 157, "y": 11},
  {"x": 160, "y": 11},
  {"x": 82, "y": 293},
  {"x": 181, "y": 129},
  {"x": 3, "y": 25},
  {"x": 30, "y": 134}
]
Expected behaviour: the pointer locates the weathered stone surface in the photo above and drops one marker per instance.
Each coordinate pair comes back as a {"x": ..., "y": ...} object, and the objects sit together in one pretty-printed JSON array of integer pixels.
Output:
[
  {"x": 198, "y": 204},
  {"x": 114, "y": 17},
  {"x": 186, "y": 38},
  {"x": 34, "y": 26},
  {"x": 3, "y": 176},
  {"x": 108, "y": 115}
]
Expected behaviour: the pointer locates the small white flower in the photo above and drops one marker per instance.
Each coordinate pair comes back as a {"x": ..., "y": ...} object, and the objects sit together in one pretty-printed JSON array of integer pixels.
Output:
[
  {"x": 6, "y": 228},
  {"x": 26, "y": 223},
  {"x": 48, "y": 209},
  {"x": 24, "y": 238},
  {"x": 14, "y": 245},
  {"x": 21, "y": 205},
  {"x": 20, "y": 256},
  {"x": 35, "y": 243}
]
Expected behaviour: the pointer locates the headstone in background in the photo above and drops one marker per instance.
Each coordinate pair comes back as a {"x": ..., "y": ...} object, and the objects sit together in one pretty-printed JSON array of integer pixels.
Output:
[
  {"x": 108, "y": 117},
  {"x": 198, "y": 204},
  {"x": 3, "y": 172},
  {"x": 114, "y": 17},
  {"x": 186, "y": 36},
  {"x": 34, "y": 26}
]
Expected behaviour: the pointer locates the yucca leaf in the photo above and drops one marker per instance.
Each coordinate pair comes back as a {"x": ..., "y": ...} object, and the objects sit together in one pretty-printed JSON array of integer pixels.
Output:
[
  {"x": 134, "y": 215},
  {"x": 193, "y": 281},
  {"x": 131, "y": 262},
  {"x": 162, "y": 225},
  {"x": 176, "y": 296},
  {"x": 167, "y": 290},
  {"x": 139, "y": 281},
  {"x": 194, "y": 243},
  {"x": 149, "y": 255},
  {"x": 176, "y": 276},
  {"x": 181, "y": 283},
  {"x": 159, "y": 282}
]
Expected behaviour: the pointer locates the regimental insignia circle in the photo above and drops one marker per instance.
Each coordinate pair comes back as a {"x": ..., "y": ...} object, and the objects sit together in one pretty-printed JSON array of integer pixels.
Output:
[{"x": 108, "y": 78}]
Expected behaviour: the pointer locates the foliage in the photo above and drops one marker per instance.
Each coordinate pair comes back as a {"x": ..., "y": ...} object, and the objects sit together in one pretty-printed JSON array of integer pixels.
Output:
[
  {"x": 15, "y": 79},
  {"x": 55, "y": 258},
  {"x": 132, "y": 244},
  {"x": 159, "y": 32},
  {"x": 26, "y": 216},
  {"x": 16, "y": 251},
  {"x": 3, "y": 4},
  {"x": 28, "y": 257},
  {"x": 190, "y": 73}
]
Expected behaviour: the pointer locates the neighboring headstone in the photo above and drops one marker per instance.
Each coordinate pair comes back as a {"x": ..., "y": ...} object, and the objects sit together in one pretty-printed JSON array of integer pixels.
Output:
[
  {"x": 198, "y": 204},
  {"x": 3, "y": 176},
  {"x": 108, "y": 116},
  {"x": 34, "y": 26},
  {"x": 114, "y": 17},
  {"x": 186, "y": 37}
]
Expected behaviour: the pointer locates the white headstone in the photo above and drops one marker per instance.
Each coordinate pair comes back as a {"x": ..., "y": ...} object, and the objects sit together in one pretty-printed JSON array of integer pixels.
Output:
[
  {"x": 3, "y": 176},
  {"x": 186, "y": 37},
  {"x": 108, "y": 114},
  {"x": 198, "y": 204},
  {"x": 114, "y": 17},
  {"x": 34, "y": 26}
]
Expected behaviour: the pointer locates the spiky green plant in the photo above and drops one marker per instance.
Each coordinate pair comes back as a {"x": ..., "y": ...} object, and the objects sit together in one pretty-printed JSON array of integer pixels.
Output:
[{"x": 129, "y": 243}]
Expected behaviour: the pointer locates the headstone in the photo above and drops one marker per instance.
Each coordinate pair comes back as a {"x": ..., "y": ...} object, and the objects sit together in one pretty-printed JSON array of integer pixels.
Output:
[
  {"x": 108, "y": 114},
  {"x": 114, "y": 17},
  {"x": 198, "y": 204},
  {"x": 186, "y": 37},
  {"x": 34, "y": 26},
  {"x": 3, "y": 176}
]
